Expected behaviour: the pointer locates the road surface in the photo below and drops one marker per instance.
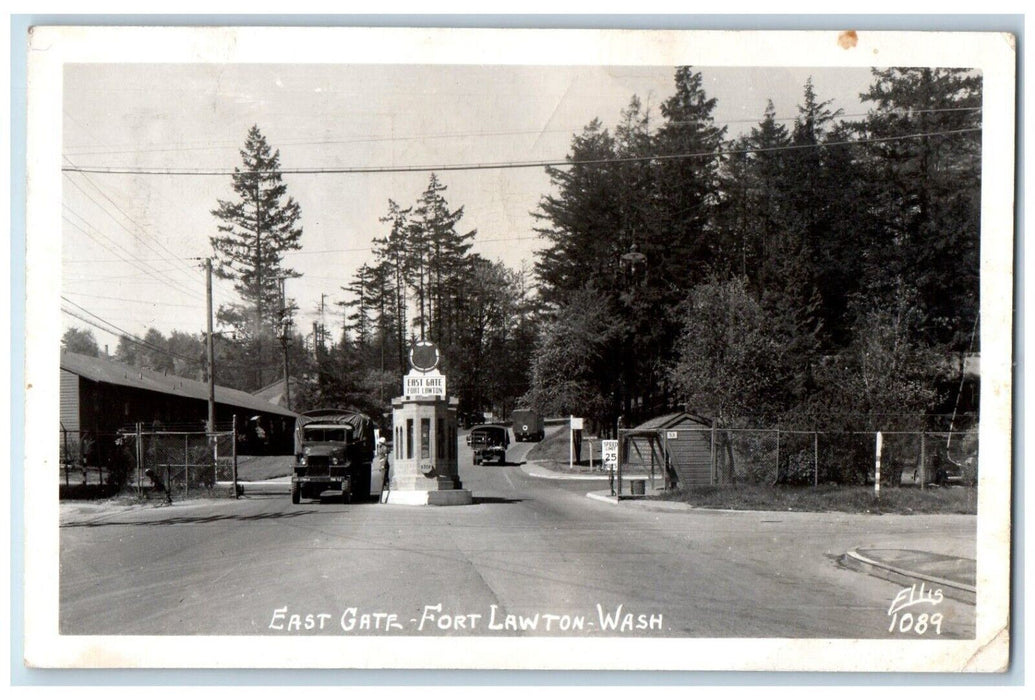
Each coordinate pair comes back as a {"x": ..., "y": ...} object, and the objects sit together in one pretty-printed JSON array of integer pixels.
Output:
[{"x": 530, "y": 557}]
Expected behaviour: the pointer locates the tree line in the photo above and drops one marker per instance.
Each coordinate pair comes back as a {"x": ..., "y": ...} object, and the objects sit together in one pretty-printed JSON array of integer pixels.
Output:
[{"x": 817, "y": 272}]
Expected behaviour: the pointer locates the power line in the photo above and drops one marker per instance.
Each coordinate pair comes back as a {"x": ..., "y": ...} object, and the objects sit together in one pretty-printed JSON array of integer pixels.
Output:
[
  {"x": 130, "y": 219},
  {"x": 377, "y": 138},
  {"x": 507, "y": 165},
  {"x": 143, "y": 267},
  {"x": 121, "y": 333},
  {"x": 132, "y": 301},
  {"x": 169, "y": 279}
]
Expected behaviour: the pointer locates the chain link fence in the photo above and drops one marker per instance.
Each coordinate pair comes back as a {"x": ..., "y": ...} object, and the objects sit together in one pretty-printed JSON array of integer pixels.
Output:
[
  {"x": 706, "y": 456},
  {"x": 170, "y": 464}
]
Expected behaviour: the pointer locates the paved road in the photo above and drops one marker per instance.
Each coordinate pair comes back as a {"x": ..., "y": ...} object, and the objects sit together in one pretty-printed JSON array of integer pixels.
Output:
[{"x": 526, "y": 547}]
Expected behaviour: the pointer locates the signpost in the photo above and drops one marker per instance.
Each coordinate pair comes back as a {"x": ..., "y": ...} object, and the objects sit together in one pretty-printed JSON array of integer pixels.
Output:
[
  {"x": 576, "y": 424},
  {"x": 609, "y": 455}
]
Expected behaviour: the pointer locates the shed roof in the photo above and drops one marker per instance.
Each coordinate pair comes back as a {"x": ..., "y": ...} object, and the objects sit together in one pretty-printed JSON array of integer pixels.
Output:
[
  {"x": 669, "y": 420},
  {"x": 275, "y": 392},
  {"x": 100, "y": 369}
]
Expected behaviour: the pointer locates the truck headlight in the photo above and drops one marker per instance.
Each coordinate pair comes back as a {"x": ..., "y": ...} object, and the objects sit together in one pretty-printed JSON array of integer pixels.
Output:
[
  {"x": 334, "y": 461},
  {"x": 301, "y": 460}
]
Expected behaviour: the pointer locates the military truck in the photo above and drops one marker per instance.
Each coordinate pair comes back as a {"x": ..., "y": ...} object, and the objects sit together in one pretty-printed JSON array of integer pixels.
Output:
[
  {"x": 334, "y": 451},
  {"x": 489, "y": 442},
  {"x": 528, "y": 425}
]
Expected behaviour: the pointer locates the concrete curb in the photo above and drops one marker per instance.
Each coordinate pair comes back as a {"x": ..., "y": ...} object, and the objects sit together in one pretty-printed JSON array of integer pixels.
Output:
[
  {"x": 535, "y": 471},
  {"x": 956, "y": 590},
  {"x": 259, "y": 487}
]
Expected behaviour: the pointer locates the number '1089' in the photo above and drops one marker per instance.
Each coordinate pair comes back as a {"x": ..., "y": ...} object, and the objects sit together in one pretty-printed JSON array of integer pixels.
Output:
[{"x": 919, "y": 624}]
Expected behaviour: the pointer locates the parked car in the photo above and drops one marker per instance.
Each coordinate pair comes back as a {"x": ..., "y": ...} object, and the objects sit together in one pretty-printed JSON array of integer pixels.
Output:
[
  {"x": 489, "y": 442},
  {"x": 528, "y": 425}
]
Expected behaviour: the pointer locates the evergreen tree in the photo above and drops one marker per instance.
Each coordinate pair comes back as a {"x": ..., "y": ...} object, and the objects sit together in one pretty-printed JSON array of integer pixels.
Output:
[
  {"x": 257, "y": 228},
  {"x": 390, "y": 252},
  {"x": 582, "y": 222},
  {"x": 754, "y": 211},
  {"x": 681, "y": 249},
  {"x": 439, "y": 250},
  {"x": 924, "y": 172}
]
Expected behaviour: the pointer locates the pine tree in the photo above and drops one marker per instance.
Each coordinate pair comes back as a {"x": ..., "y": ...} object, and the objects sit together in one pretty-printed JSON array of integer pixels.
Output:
[
  {"x": 926, "y": 186},
  {"x": 682, "y": 247},
  {"x": 581, "y": 222},
  {"x": 391, "y": 253},
  {"x": 439, "y": 250},
  {"x": 257, "y": 229},
  {"x": 753, "y": 210}
]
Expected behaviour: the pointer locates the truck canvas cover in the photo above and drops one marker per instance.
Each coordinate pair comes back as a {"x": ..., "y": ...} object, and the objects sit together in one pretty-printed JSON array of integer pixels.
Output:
[{"x": 358, "y": 425}]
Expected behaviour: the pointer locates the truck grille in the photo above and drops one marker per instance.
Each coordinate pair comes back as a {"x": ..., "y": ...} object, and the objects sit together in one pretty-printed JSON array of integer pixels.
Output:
[{"x": 318, "y": 466}]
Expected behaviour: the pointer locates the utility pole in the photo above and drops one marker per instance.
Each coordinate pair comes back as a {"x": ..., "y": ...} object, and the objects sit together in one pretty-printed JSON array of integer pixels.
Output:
[
  {"x": 210, "y": 425},
  {"x": 285, "y": 334},
  {"x": 323, "y": 325}
]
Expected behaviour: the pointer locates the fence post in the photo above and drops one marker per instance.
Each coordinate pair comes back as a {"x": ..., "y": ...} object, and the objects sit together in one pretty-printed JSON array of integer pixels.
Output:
[
  {"x": 715, "y": 471},
  {"x": 140, "y": 459},
  {"x": 233, "y": 442},
  {"x": 186, "y": 466},
  {"x": 923, "y": 459},
  {"x": 876, "y": 467},
  {"x": 777, "y": 480},
  {"x": 64, "y": 439},
  {"x": 815, "y": 459}
]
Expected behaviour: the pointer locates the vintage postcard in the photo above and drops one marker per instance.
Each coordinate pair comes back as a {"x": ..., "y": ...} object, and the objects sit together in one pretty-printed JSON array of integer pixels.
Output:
[{"x": 375, "y": 348}]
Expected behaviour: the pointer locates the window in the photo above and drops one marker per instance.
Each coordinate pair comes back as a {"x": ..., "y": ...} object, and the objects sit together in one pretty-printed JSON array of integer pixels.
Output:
[
  {"x": 409, "y": 438},
  {"x": 440, "y": 438},
  {"x": 425, "y": 438}
]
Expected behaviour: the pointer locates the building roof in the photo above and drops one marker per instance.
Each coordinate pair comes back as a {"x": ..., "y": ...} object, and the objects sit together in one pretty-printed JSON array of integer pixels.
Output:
[
  {"x": 274, "y": 392},
  {"x": 669, "y": 420},
  {"x": 101, "y": 369}
]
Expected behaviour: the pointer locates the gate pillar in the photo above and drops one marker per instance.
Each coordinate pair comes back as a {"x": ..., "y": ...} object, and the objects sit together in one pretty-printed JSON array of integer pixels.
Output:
[{"x": 424, "y": 452}]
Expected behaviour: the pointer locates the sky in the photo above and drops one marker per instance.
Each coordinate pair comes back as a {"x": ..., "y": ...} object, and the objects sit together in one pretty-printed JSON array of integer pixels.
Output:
[{"x": 132, "y": 245}]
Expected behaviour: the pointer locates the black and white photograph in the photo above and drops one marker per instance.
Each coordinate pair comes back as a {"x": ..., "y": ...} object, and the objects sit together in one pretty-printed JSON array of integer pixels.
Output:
[{"x": 518, "y": 349}]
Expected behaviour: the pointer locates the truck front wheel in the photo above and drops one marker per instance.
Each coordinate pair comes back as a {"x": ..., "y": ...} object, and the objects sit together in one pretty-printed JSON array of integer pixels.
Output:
[{"x": 296, "y": 494}]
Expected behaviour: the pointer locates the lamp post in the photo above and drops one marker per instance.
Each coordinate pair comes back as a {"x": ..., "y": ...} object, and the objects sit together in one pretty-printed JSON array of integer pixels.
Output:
[{"x": 633, "y": 266}]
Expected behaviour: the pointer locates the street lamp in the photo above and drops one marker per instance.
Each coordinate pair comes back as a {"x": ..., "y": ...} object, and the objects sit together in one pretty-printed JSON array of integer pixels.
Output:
[{"x": 633, "y": 264}]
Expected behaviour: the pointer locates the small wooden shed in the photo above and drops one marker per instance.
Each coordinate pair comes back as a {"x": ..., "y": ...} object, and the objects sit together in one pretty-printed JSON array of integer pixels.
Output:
[{"x": 678, "y": 444}]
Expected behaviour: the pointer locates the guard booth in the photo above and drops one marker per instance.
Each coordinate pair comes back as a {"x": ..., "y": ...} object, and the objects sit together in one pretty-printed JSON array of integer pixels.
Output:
[{"x": 424, "y": 422}]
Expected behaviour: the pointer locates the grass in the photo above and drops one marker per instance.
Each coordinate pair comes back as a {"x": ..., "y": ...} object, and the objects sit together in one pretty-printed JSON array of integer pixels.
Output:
[
  {"x": 553, "y": 450},
  {"x": 260, "y": 468},
  {"x": 829, "y": 498}
]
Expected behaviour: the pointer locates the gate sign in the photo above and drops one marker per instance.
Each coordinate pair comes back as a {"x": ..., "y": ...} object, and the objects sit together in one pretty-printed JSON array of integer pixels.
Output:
[
  {"x": 609, "y": 448},
  {"x": 425, "y": 384},
  {"x": 576, "y": 423}
]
